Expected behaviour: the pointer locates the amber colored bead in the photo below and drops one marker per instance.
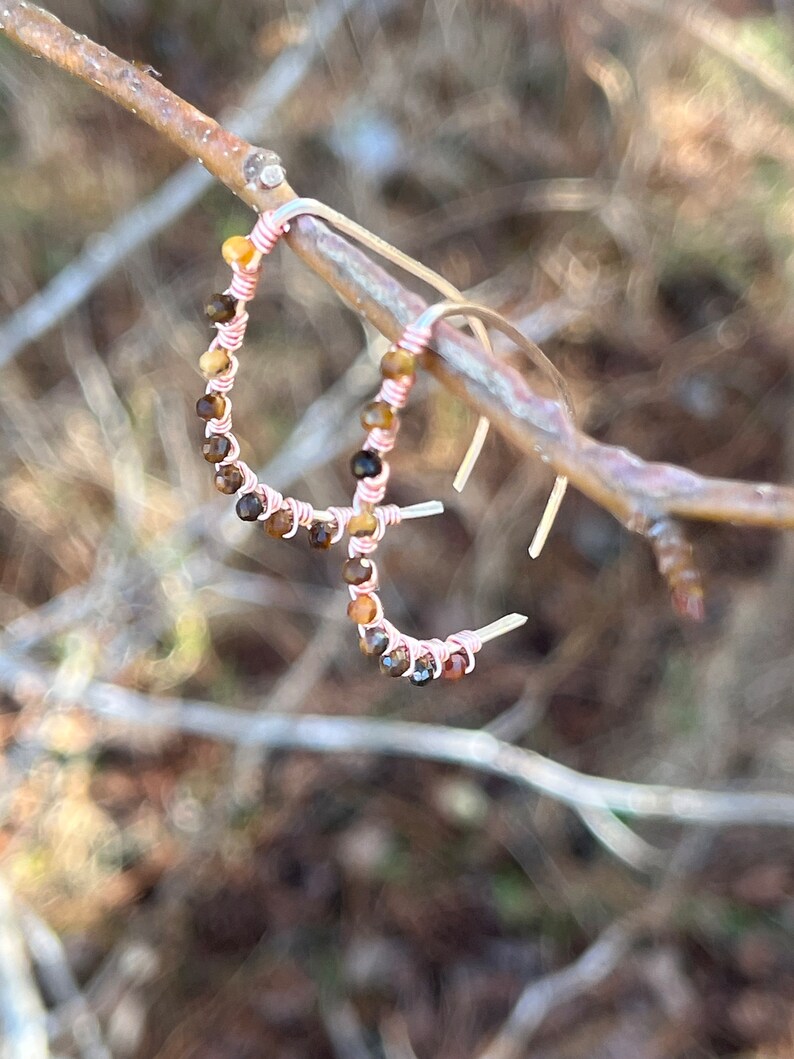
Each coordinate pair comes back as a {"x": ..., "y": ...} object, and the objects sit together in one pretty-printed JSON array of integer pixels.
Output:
[
  {"x": 362, "y": 610},
  {"x": 321, "y": 534},
  {"x": 237, "y": 250},
  {"x": 216, "y": 448},
  {"x": 211, "y": 406},
  {"x": 228, "y": 479},
  {"x": 374, "y": 642},
  {"x": 214, "y": 362},
  {"x": 366, "y": 464},
  {"x": 422, "y": 674},
  {"x": 221, "y": 308},
  {"x": 377, "y": 416},
  {"x": 279, "y": 524},
  {"x": 363, "y": 524},
  {"x": 397, "y": 362},
  {"x": 395, "y": 663},
  {"x": 454, "y": 668},
  {"x": 356, "y": 571},
  {"x": 249, "y": 507}
]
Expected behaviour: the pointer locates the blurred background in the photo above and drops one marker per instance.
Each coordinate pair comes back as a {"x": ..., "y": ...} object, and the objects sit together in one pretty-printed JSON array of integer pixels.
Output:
[{"x": 615, "y": 175}]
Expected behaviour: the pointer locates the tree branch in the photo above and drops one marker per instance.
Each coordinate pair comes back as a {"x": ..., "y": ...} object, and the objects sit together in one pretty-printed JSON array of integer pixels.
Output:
[
  {"x": 645, "y": 497},
  {"x": 349, "y": 735}
]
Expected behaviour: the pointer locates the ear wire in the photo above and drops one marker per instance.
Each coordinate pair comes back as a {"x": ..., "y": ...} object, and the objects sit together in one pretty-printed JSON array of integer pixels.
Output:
[{"x": 434, "y": 313}]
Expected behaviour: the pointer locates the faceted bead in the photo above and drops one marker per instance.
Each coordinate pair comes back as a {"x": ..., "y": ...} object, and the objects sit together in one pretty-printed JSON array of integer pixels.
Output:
[
  {"x": 214, "y": 362},
  {"x": 321, "y": 534},
  {"x": 397, "y": 362},
  {"x": 377, "y": 416},
  {"x": 362, "y": 610},
  {"x": 356, "y": 571},
  {"x": 249, "y": 507},
  {"x": 454, "y": 668},
  {"x": 237, "y": 250},
  {"x": 228, "y": 479},
  {"x": 279, "y": 524},
  {"x": 395, "y": 663},
  {"x": 374, "y": 642},
  {"x": 422, "y": 674},
  {"x": 363, "y": 524},
  {"x": 221, "y": 308},
  {"x": 211, "y": 406},
  {"x": 216, "y": 448},
  {"x": 366, "y": 464}
]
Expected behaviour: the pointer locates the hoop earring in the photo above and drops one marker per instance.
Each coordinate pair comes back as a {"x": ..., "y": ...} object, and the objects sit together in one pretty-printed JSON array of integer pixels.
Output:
[
  {"x": 399, "y": 654},
  {"x": 272, "y": 225}
]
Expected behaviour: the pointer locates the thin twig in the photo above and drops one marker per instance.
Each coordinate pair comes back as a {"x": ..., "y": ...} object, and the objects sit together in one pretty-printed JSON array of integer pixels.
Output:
[
  {"x": 52, "y": 965},
  {"x": 720, "y": 33},
  {"x": 645, "y": 497},
  {"x": 546, "y": 994},
  {"x": 346, "y": 735},
  {"x": 23, "y": 1020}
]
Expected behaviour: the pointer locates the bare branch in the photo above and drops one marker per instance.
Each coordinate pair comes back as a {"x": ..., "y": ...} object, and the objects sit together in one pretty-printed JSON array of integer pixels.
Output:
[{"x": 347, "y": 735}]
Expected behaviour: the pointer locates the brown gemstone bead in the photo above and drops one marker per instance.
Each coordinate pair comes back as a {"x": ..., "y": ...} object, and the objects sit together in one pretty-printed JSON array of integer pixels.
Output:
[
  {"x": 237, "y": 250},
  {"x": 377, "y": 416},
  {"x": 356, "y": 571},
  {"x": 454, "y": 668},
  {"x": 422, "y": 674},
  {"x": 221, "y": 308},
  {"x": 374, "y": 642},
  {"x": 214, "y": 362},
  {"x": 249, "y": 507},
  {"x": 228, "y": 479},
  {"x": 321, "y": 534},
  {"x": 366, "y": 464},
  {"x": 363, "y": 524},
  {"x": 362, "y": 610},
  {"x": 211, "y": 406},
  {"x": 216, "y": 448},
  {"x": 395, "y": 663},
  {"x": 279, "y": 523},
  {"x": 397, "y": 362}
]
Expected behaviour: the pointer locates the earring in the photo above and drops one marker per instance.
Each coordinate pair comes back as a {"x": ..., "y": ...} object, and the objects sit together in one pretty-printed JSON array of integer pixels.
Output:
[{"x": 399, "y": 654}]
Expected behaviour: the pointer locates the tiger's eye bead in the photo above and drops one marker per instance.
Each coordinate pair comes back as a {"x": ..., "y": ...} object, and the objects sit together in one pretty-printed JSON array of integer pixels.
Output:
[
  {"x": 237, "y": 250},
  {"x": 228, "y": 479},
  {"x": 363, "y": 524},
  {"x": 377, "y": 416},
  {"x": 356, "y": 571},
  {"x": 321, "y": 535},
  {"x": 249, "y": 507},
  {"x": 211, "y": 406},
  {"x": 395, "y": 663},
  {"x": 216, "y": 448},
  {"x": 214, "y": 362},
  {"x": 279, "y": 524},
  {"x": 454, "y": 668},
  {"x": 422, "y": 674},
  {"x": 362, "y": 610},
  {"x": 397, "y": 362},
  {"x": 366, "y": 464},
  {"x": 374, "y": 642},
  {"x": 221, "y": 308}
]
